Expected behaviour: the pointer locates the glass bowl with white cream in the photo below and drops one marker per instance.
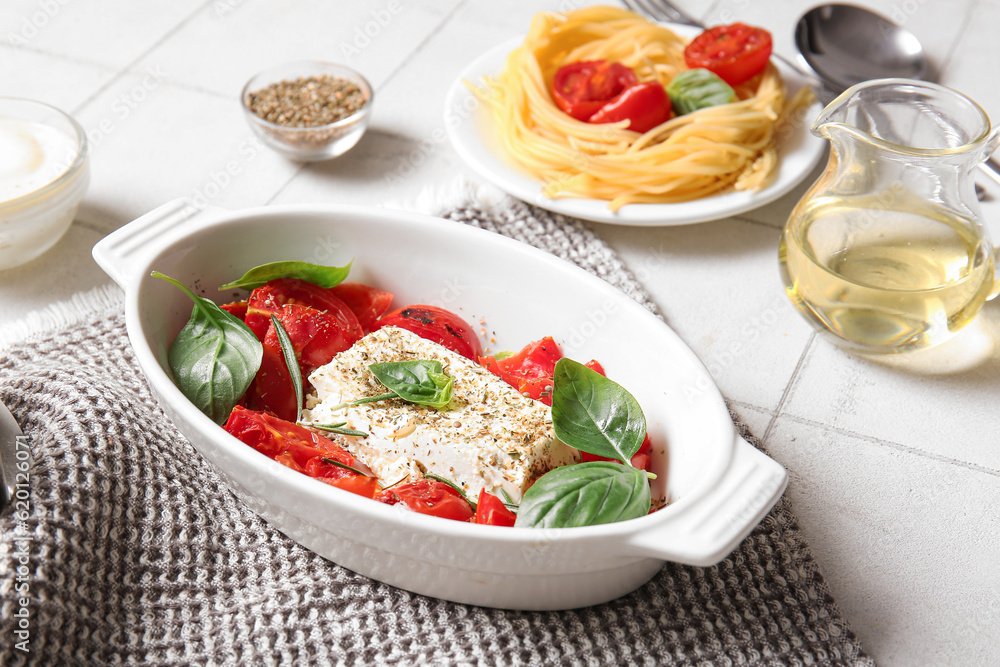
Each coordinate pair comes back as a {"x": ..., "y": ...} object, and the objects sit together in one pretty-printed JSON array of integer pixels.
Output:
[{"x": 44, "y": 174}]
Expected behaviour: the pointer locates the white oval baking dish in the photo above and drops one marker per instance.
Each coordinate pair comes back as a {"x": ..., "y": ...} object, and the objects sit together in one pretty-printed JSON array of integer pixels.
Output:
[{"x": 719, "y": 486}]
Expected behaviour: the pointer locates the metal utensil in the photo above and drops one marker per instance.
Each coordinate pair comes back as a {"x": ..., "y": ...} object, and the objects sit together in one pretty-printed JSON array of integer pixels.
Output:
[
  {"x": 846, "y": 44},
  {"x": 10, "y": 432},
  {"x": 841, "y": 45}
]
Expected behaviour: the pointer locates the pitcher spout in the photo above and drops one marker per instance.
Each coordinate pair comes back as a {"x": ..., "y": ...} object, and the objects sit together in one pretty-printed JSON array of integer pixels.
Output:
[{"x": 905, "y": 115}]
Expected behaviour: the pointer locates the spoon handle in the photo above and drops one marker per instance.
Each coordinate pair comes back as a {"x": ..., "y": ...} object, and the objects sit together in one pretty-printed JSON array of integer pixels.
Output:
[{"x": 992, "y": 169}]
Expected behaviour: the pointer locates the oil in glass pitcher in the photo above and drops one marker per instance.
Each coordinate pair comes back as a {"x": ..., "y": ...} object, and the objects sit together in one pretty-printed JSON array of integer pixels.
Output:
[{"x": 886, "y": 251}]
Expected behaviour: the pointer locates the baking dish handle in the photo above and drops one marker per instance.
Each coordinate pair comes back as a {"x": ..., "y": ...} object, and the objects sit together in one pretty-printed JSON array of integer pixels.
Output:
[
  {"x": 705, "y": 531},
  {"x": 119, "y": 252}
]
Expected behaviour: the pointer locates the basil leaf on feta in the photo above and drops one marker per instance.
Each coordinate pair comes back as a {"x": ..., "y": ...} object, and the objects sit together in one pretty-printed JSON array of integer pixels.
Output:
[
  {"x": 595, "y": 414},
  {"x": 695, "y": 89},
  {"x": 323, "y": 276},
  {"x": 214, "y": 357},
  {"x": 421, "y": 381},
  {"x": 585, "y": 494}
]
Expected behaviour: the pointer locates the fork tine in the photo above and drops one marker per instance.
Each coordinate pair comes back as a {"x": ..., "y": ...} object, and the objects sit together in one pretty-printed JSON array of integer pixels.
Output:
[{"x": 660, "y": 10}]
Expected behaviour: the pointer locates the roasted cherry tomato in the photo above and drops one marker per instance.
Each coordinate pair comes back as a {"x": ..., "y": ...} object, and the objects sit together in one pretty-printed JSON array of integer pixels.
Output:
[
  {"x": 490, "y": 511},
  {"x": 367, "y": 303},
  {"x": 299, "y": 448},
  {"x": 734, "y": 52},
  {"x": 436, "y": 324},
  {"x": 646, "y": 105},
  {"x": 642, "y": 459},
  {"x": 581, "y": 88},
  {"x": 334, "y": 475},
  {"x": 530, "y": 371},
  {"x": 236, "y": 308},
  {"x": 428, "y": 496},
  {"x": 272, "y": 389},
  {"x": 316, "y": 335},
  {"x": 269, "y": 298}
]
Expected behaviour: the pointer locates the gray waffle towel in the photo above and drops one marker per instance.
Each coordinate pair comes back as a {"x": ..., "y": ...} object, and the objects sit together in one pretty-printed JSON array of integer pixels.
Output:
[{"x": 135, "y": 552}]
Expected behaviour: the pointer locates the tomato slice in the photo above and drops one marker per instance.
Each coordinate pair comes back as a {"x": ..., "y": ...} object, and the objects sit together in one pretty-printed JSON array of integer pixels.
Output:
[
  {"x": 428, "y": 496},
  {"x": 334, "y": 475},
  {"x": 272, "y": 389},
  {"x": 583, "y": 87},
  {"x": 236, "y": 308},
  {"x": 490, "y": 511},
  {"x": 299, "y": 448},
  {"x": 645, "y": 105},
  {"x": 734, "y": 52},
  {"x": 436, "y": 324},
  {"x": 642, "y": 459},
  {"x": 316, "y": 335},
  {"x": 270, "y": 297},
  {"x": 367, "y": 303},
  {"x": 530, "y": 370}
]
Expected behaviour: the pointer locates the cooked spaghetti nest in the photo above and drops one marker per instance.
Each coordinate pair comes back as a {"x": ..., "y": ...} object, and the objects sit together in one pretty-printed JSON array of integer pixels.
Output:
[{"x": 729, "y": 146}]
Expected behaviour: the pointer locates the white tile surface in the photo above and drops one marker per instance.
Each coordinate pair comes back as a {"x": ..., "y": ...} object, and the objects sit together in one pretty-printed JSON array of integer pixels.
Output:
[
  {"x": 220, "y": 50},
  {"x": 933, "y": 406},
  {"x": 718, "y": 287},
  {"x": 63, "y": 84},
  {"x": 152, "y": 141},
  {"x": 894, "y": 466},
  {"x": 907, "y": 544},
  {"x": 111, "y": 33},
  {"x": 58, "y": 274}
]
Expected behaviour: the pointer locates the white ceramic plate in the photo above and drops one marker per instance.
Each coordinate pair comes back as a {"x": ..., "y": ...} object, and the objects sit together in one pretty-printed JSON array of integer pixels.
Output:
[
  {"x": 719, "y": 486},
  {"x": 471, "y": 131}
]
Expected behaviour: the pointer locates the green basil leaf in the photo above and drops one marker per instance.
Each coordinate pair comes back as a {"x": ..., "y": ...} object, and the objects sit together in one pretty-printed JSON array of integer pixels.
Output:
[
  {"x": 699, "y": 88},
  {"x": 288, "y": 351},
  {"x": 420, "y": 381},
  {"x": 585, "y": 494},
  {"x": 594, "y": 414},
  {"x": 214, "y": 357},
  {"x": 324, "y": 276}
]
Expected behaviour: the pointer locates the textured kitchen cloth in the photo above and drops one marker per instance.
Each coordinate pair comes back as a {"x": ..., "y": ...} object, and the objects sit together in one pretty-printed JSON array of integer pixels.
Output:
[{"x": 136, "y": 552}]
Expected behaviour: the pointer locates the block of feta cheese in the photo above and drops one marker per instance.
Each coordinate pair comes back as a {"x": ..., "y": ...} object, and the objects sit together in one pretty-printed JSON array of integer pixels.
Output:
[{"x": 489, "y": 436}]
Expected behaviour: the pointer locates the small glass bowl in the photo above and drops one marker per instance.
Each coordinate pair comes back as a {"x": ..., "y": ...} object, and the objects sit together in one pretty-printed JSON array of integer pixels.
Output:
[
  {"x": 309, "y": 144},
  {"x": 38, "y": 202}
]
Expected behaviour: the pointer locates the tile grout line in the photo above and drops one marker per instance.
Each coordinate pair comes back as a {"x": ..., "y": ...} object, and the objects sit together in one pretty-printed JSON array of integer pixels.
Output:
[
  {"x": 127, "y": 68},
  {"x": 788, "y": 389},
  {"x": 895, "y": 445},
  {"x": 751, "y": 406},
  {"x": 430, "y": 35}
]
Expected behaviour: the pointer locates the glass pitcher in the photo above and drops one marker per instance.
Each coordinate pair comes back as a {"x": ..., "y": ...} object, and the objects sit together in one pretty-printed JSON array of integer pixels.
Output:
[{"x": 886, "y": 252}]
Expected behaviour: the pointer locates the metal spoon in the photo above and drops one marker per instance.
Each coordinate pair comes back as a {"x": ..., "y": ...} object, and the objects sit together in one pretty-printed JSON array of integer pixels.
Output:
[
  {"x": 10, "y": 433},
  {"x": 845, "y": 44}
]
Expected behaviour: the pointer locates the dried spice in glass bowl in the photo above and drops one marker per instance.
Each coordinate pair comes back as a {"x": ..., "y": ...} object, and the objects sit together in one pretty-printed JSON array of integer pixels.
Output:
[{"x": 308, "y": 110}]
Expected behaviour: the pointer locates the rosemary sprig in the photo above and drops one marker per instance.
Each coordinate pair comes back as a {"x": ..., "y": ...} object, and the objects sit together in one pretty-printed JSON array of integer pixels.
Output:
[
  {"x": 508, "y": 502},
  {"x": 460, "y": 490},
  {"x": 340, "y": 464},
  {"x": 339, "y": 428}
]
